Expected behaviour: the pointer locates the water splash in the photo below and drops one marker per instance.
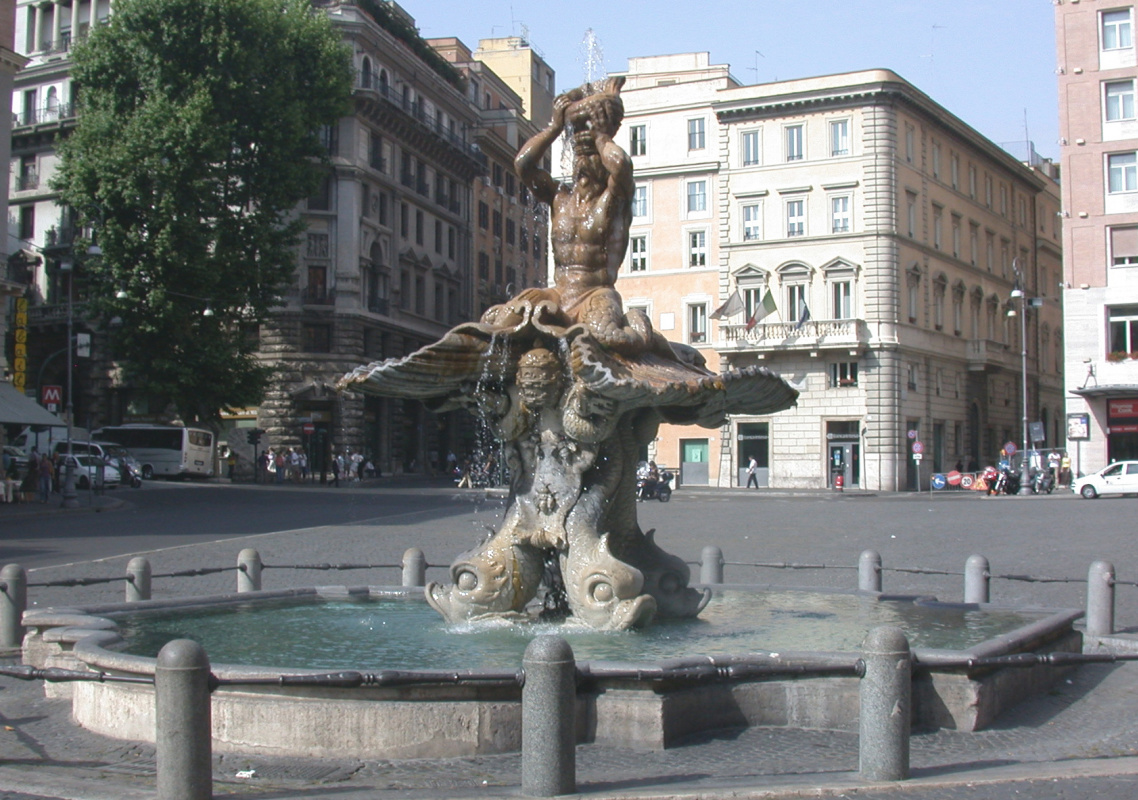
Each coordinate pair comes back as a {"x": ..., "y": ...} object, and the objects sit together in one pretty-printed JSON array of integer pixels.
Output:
[{"x": 593, "y": 58}]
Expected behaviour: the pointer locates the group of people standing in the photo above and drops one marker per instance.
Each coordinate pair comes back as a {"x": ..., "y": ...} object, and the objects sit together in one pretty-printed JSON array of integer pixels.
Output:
[
  {"x": 283, "y": 464},
  {"x": 39, "y": 478}
]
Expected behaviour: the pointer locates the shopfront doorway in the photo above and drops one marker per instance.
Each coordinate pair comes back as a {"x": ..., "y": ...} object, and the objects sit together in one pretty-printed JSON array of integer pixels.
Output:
[
  {"x": 1122, "y": 422},
  {"x": 753, "y": 439},
  {"x": 843, "y": 446}
]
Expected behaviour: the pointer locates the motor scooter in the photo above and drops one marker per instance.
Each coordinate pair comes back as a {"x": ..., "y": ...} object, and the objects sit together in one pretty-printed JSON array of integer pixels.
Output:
[
  {"x": 659, "y": 489},
  {"x": 1043, "y": 482}
]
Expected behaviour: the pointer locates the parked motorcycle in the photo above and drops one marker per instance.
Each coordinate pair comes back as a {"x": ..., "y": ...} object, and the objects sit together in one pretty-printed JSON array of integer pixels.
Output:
[
  {"x": 1042, "y": 482},
  {"x": 658, "y": 488},
  {"x": 1006, "y": 481}
]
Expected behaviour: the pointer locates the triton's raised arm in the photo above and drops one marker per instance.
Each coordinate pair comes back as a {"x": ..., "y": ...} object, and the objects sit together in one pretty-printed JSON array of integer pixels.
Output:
[
  {"x": 605, "y": 119},
  {"x": 528, "y": 161}
]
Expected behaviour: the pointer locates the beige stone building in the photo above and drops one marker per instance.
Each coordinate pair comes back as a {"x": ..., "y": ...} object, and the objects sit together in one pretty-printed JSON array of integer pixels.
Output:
[
  {"x": 1098, "y": 123},
  {"x": 887, "y": 234}
]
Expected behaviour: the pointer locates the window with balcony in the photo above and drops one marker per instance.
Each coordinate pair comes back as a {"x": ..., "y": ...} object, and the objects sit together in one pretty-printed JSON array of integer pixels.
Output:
[
  {"x": 752, "y": 222},
  {"x": 751, "y": 145},
  {"x": 638, "y": 253},
  {"x": 795, "y": 142},
  {"x": 840, "y": 214},
  {"x": 843, "y": 374},
  {"x": 841, "y": 294},
  {"x": 696, "y": 134},
  {"x": 697, "y": 248},
  {"x": 796, "y": 309},
  {"x": 697, "y": 323},
  {"x": 840, "y": 137},
  {"x": 1122, "y": 172},
  {"x": 638, "y": 140},
  {"x": 795, "y": 217}
]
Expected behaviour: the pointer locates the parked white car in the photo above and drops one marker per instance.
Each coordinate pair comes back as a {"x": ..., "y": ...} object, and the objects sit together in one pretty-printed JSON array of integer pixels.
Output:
[
  {"x": 1120, "y": 477},
  {"x": 87, "y": 471}
]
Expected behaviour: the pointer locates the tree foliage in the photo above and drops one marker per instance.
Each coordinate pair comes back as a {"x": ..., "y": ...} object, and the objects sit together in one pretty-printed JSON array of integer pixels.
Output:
[{"x": 197, "y": 137}]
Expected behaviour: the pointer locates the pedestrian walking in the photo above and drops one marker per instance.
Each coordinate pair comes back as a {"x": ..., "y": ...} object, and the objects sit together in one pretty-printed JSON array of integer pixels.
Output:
[
  {"x": 337, "y": 466},
  {"x": 280, "y": 463},
  {"x": 753, "y": 473},
  {"x": 46, "y": 473}
]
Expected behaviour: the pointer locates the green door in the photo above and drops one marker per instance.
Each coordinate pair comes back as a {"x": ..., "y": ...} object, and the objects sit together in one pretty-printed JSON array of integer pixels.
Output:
[{"x": 693, "y": 469}]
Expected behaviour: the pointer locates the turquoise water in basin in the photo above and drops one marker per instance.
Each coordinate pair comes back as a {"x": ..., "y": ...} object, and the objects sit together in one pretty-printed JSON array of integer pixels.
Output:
[{"x": 394, "y": 633}]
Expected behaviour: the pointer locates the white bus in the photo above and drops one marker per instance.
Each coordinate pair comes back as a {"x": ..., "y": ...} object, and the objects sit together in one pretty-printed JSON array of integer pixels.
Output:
[{"x": 165, "y": 450}]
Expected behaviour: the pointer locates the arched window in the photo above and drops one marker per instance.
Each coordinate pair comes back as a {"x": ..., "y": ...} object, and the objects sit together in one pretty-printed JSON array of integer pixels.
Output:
[
  {"x": 383, "y": 81},
  {"x": 51, "y": 104},
  {"x": 365, "y": 73}
]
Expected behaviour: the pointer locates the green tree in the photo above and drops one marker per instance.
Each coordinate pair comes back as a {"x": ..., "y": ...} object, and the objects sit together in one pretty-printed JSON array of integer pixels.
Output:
[{"x": 197, "y": 136}]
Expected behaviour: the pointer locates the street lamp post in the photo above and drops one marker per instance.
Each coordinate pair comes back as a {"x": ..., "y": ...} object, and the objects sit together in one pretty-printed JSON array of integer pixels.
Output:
[
  {"x": 70, "y": 498},
  {"x": 1017, "y": 292}
]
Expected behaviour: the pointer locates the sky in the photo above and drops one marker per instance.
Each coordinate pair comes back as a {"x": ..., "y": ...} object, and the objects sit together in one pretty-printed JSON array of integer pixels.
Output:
[{"x": 989, "y": 62}]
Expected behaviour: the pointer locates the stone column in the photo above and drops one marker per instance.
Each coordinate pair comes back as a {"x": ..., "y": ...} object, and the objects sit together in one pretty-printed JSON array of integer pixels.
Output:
[
  {"x": 182, "y": 722},
  {"x": 886, "y": 706},
  {"x": 37, "y": 29},
  {"x": 56, "y": 23},
  {"x": 75, "y": 4}
]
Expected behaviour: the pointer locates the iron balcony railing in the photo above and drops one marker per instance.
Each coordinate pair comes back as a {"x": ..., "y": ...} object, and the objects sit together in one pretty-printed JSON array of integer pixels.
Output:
[{"x": 41, "y": 116}]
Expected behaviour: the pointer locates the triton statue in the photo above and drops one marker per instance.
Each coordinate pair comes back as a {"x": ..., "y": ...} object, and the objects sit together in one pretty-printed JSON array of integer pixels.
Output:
[{"x": 573, "y": 386}]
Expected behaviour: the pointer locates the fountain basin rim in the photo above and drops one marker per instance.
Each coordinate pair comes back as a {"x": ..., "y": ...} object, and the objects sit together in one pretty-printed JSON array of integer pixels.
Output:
[{"x": 90, "y": 629}]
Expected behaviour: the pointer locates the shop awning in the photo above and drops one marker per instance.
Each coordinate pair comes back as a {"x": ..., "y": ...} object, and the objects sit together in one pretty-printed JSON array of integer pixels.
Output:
[
  {"x": 1107, "y": 391},
  {"x": 19, "y": 409}
]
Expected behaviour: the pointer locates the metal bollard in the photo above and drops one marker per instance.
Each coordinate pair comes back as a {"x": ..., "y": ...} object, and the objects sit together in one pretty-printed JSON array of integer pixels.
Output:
[
  {"x": 869, "y": 571},
  {"x": 414, "y": 567},
  {"x": 137, "y": 580},
  {"x": 13, "y": 604},
  {"x": 549, "y": 698},
  {"x": 886, "y": 693},
  {"x": 1100, "y": 599},
  {"x": 248, "y": 571},
  {"x": 711, "y": 565},
  {"x": 977, "y": 580},
  {"x": 182, "y": 722}
]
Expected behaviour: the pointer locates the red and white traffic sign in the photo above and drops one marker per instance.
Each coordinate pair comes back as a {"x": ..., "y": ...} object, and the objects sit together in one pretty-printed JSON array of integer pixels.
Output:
[
  {"x": 918, "y": 448},
  {"x": 309, "y": 429},
  {"x": 1010, "y": 448}
]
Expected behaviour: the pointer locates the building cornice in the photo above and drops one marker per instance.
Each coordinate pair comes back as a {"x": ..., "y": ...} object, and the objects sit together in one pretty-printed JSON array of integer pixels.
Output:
[{"x": 677, "y": 169}]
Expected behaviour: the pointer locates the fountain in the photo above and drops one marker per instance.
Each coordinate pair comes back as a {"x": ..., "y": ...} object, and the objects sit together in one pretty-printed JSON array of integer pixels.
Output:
[{"x": 573, "y": 386}]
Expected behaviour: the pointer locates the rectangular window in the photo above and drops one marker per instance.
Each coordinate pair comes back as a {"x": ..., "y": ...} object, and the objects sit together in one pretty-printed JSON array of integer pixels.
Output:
[
  {"x": 483, "y": 216},
  {"x": 936, "y": 160},
  {"x": 955, "y": 236},
  {"x": 511, "y": 231},
  {"x": 638, "y": 140},
  {"x": 316, "y": 338},
  {"x": 483, "y": 266},
  {"x": 1119, "y": 100},
  {"x": 911, "y": 214},
  {"x": 752, "y": 224},
  {"x": 1124, "y": 247},
  {"x": 796, "y": 302},
  {"x": 1116, "y": 30},
  {"x": 696, "y": 134},
  {"x": 842, "y": 295},
  {"x": 438, "y": 236},
  {"x": 697, "y": 196},
  {"x": 640, "y": 202},
  {"x": 840, "y": 214},
  {"x": 796, "y": 218},
  {"x": 794, "y": 143},
  {"x": 418, "y": 227},
  {"x": 1123, "y": 329},
  {"x": 375, "y": 152},
  {"x": 988, "y": 191},
  {"x": 404, "y": 220},
  {"x": 910, "y": 141},
  {"x": 974, "y": 243},
  {"x": 1122, "y": 171},
  {"x": 840, "y": 137},
  {"x": 697, "y": 249},
  {"x": 496, "y": 224},
  {"x": 697, "y": 323},
  {"x": 938, "y": 218},
  {"x": 954, "y": 170},
  {"x": 843, "y": 373},
  {"x": 972, "y": 181},
  {"x": 638, "y": 253},
  {"x": 750, "y": 148}
]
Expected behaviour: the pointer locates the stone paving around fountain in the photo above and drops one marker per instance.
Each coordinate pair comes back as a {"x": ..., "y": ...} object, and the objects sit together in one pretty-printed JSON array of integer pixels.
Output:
[{"x": 1080, "y": 741}]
